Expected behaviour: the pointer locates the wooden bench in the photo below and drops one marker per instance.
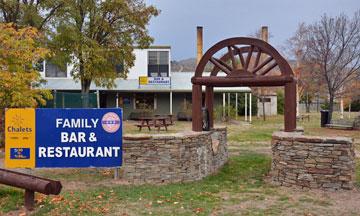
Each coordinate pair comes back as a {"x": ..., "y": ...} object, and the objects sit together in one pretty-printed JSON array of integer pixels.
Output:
[
  {"x": 169, "y": 120},
  {"x": 140, "y": 126},
  {"x": 339, "y": 126},
  {"x": 162, "y": 121}
]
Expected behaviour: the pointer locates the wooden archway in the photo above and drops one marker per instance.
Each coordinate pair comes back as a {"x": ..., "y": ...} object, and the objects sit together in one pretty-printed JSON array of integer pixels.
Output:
[{"x": 246, "y": 62}]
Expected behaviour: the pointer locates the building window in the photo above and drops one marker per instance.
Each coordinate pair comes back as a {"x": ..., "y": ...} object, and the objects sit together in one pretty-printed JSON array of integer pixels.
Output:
[
  {"x": 145, "y": 101},
  {"x": 158, "y": 63},
  {"x": 39, "y": 66},
  {"x": 119, "y": 68},
  {"x": 52, "y": 70}
]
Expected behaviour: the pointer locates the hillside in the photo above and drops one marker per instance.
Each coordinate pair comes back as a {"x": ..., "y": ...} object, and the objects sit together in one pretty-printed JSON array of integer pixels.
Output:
[
  {"x": 187, "y": 65},
  {"x": 184, "y": 65}
]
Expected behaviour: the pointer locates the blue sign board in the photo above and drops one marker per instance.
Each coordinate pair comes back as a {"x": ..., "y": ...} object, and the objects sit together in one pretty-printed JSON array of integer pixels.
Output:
[{"x": 78, "y": 137}]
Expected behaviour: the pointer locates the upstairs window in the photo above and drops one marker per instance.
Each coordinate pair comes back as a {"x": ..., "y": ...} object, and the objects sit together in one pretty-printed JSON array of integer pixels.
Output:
[
  {"x": 119, "y": 68},
  {"x": 52, "y": 70},
  {"x": 39, "y": 66},
  {"x": 158, "y": 64}
]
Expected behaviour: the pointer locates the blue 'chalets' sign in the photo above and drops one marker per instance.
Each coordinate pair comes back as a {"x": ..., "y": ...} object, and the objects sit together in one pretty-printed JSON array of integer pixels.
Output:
[{"x": 78, "y": 138}]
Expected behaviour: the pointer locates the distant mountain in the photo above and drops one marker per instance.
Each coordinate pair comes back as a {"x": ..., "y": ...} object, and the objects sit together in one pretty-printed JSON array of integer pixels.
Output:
[
  {"x": 184, "y": 65},
  {"x": 187, "y": 65}
]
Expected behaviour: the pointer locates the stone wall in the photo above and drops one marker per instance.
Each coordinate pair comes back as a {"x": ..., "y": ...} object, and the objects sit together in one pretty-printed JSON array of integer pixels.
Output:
[
  {"x": 312, "y": 162},
  {"x": 177, "y": 157},
  {"x": 356, "y": 123}
]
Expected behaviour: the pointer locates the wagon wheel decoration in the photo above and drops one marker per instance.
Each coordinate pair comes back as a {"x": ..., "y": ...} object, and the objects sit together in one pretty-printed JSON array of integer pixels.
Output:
[
  {"x": 246, "y": 62},
  {"x": 245, "y": 58}
]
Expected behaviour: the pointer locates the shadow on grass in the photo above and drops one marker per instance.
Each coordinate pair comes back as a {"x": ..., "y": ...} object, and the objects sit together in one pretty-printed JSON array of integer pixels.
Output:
[{"x": 241, "y": 174}]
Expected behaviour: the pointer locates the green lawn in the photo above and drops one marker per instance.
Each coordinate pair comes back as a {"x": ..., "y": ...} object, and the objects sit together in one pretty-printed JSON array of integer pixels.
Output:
[{"x": 240, "y": 188}]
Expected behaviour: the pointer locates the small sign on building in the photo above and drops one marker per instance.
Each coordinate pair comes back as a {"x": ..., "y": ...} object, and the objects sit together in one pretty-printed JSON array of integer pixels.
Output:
[
  {"x": 63, "y": 138},
  {"x": 144, "y": 80}
]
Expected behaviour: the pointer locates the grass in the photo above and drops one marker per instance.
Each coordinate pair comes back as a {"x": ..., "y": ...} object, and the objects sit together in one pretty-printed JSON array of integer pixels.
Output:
[
  {"x": 241, "y": 174},
  {"x": 239, "y": 188},
  {"x": 10, "y": 199}
]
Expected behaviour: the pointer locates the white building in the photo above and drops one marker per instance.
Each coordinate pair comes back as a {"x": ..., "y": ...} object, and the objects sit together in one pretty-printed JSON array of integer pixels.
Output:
[{"x": 150, "y": 86}]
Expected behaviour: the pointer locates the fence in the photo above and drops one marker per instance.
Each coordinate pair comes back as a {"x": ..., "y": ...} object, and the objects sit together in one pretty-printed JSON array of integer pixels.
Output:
[{"x": 72, "y": 100}]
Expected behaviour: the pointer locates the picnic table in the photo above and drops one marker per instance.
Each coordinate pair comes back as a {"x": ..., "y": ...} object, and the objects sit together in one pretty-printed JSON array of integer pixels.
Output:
[{"x": 157, "y": 121}]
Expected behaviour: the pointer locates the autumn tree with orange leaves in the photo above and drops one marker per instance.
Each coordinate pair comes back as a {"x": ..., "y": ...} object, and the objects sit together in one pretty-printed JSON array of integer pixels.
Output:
[{"x": 20, "y": 50}]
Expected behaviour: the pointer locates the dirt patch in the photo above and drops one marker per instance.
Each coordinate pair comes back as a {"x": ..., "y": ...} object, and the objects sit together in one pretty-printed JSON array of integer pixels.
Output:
[
  {"x": 20, "y": 212},
  {"x": 318, "y": 202},
  {"x": 261, "y": 147},
  {"x": 290, "y": 201},
  {"x": 78, "y": 185}
]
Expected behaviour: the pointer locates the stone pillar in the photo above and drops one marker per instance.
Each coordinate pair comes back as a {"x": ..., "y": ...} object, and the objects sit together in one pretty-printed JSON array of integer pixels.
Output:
[{"x": 312, "y": 162}]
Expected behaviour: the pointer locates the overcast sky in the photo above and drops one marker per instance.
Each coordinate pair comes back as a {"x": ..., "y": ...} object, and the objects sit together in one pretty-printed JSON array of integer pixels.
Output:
[{"x": 176, "y": 24}]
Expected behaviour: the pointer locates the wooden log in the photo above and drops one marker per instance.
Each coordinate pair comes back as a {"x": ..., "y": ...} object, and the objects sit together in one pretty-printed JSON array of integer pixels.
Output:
[
  {"x": 33, "y": 183},
  {"x": 242, "y": 81}
]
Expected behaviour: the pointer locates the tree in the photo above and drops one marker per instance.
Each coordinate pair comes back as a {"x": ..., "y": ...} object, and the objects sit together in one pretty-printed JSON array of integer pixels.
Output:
[
  {"x": 34, "y": 13},
  {"x": 97, "y": 36},
  {"x": 19, "y": 51},
  {"x": 332, "y": 46},
  {"x": 351, "y": 93}
]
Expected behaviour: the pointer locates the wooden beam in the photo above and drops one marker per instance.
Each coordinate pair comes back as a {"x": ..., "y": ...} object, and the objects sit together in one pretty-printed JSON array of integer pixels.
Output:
[
  {"x": 209, "y": 102},
  {"x": 196, "y": 108},
  {"x": 290, "y": 107},
  {"x": 237, "y": 81}
]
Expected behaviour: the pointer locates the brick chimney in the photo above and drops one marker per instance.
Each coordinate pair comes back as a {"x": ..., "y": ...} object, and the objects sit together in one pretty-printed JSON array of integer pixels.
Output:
[
  {"x": 265, "y": 33},
  {"x": 199, "y": 34}
]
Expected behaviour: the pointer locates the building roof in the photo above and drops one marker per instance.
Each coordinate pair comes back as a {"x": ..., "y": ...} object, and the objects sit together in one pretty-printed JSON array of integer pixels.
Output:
[
  {"x": 180, "y": 82},
  {"x": 156, "y": 47}
]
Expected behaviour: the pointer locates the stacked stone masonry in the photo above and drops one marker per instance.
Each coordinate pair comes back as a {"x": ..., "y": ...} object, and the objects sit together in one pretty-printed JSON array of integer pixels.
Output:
[
  {"x": 356, "y": 124},
  {"x": 172, "y": 158},
  {"x": 312, "y": 162}
]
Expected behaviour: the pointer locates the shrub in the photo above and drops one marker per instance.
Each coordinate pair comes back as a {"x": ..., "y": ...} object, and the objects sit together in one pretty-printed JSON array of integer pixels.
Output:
[{"x": 280, "y": 102}]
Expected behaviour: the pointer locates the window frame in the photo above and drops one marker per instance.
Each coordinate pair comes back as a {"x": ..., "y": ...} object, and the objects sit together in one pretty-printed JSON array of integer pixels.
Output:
[
  {"x": 158, "y": 71},
  {"x": 46, "y": 63}
]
